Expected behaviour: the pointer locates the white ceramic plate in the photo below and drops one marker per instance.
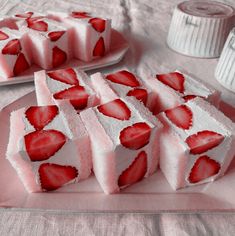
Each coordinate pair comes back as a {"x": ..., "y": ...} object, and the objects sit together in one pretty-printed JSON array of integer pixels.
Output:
[
  {"x": 149, "y": 196},
  {"x": 119, "y": 47}
]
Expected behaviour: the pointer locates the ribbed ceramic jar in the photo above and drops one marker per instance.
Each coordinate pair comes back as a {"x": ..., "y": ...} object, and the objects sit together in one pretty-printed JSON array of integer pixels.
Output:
[
  {"x": 225, "y": 70},
  {"x": 200, "y": 28}
]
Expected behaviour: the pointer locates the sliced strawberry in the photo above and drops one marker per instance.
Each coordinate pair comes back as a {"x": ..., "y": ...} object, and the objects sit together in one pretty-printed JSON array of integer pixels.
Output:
[
  {"x": 42, "y": 144},
  {"x": 40, "y": 116},
  {"x": 55, "y": 35},
  {"x": 98, "y": 24},
  {"x": 77, "y": 96},
  {"x": 135, "y": 136},
  {"x": 123, "y": 77},
  {"x": 67, "y": 76},
  {"x": 53, "y": 176},
  {"x": 77, "y": 14},
  {"x": 203, "y": 141},
  {"x": 21, "y": 64},
  {"x": 13, "y": 47},
  {"x": 203, "y": 168},
  {"x": 3, "y": 36},
  {"x": 116, "y": 109},
  {"x": 34, "y": 19},
  {"x": 58, "y": 57},
  {"x": 174, "y": 80},
  {"x": 36, "y": 24},
  {"x": 135, "y": 172},
  {"x": 140, "y": 94},
  {"x": 189, "y": 97},
  {"x": 25, "y": 15},
  {"x": 180, "y": 116},
  {"x": 99, "y": 49}
]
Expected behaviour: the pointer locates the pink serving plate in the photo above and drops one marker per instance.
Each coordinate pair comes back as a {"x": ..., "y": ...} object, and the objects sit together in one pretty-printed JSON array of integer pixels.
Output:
[
  {"x": 152, "y": 195},
  {"x": 119, "y": 47}
]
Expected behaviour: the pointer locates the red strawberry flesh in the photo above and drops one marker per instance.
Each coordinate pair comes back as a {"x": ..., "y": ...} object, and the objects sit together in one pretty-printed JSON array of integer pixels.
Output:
[
  {"x": 180, "y": 116},
  {"x": 136, "y": 136},
  {"x": 76, "y": 14},
  {"x": 140, "y": 94},
  {"x": 21, "y": 65},
  {"x": 98, "y": 24},
  {"x": 203, "y": 168},
  {"x": 123, "y": 77},
  {"x": 175, "y": 80},
  {"x": 135, "y": 172},
  {"x": 42, "y": 144},
  {"x": 77, "y": 96},
  {"x": 40, "y": 116},
  {"x": 36, "y": 24},
  {"x": 67, "y": 76},
  {"x": 99, "y": 49},
  {"x": 59, "y": 57},
  {"x": 189, "y": 97},
  {"x": 13, "y": 47},
  {"x": 55, "y": 35},
  {"x": 3, "y": 36},
  {"x": 203, "y": 141},
  {"x": 116, "y": 109},
  {"x": 53, "y": 176}
]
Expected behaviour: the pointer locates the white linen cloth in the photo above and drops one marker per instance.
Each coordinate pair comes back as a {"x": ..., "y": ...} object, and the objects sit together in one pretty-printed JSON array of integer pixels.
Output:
[{"x": 144, "y": 23}]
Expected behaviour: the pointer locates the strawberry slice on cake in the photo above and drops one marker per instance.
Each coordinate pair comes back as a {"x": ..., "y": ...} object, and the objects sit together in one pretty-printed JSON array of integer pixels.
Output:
[{"x": 69, "y": 84}]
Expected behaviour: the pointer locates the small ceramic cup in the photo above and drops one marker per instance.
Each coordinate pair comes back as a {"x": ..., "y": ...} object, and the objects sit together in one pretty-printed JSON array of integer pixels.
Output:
[
  {"x": 225, "y": 70},
  {"x": 200, "y": 28}
]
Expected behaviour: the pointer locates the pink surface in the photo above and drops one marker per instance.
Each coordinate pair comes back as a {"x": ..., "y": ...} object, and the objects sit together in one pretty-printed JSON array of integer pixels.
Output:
[
  {"x": 87, "y": 196},
  {"x": 148, "y": 54}
]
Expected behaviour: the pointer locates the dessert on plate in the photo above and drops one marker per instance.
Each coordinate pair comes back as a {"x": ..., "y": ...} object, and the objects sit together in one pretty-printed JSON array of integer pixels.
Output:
[
  {"x": 91, "y": 34},
  {"x": 51, "y": 41},
  {"x": 14, "y": 57},
  {"x": 48, "y": 41}
]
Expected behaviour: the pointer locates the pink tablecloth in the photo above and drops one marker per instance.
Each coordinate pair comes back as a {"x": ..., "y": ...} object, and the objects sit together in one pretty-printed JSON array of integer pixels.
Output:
[{"x": 145, "y": 25}]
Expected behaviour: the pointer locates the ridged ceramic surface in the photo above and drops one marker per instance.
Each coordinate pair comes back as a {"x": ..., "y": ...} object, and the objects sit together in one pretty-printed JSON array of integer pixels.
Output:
[
  {"x": 225, "y": 70},
  {"x": 200, "y": 28}
]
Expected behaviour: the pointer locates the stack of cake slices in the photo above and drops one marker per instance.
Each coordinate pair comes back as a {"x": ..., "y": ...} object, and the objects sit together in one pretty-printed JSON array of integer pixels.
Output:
[
  {"x": 50, "y": 40},
  {"x": 122, "y": 127}
]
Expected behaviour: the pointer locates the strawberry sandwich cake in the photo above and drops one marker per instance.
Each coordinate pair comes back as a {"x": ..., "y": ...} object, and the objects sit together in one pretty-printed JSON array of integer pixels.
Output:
[
  {"x": 201, "y": 141},
  {"x": 175, "y": 88},
  {"x": 49, "y": 147},
  {"x": 91, "y": 34},
  {"x": 124, "y": 138},
  {"x": 123, "y": 83},
  {"x": 70, "y": 84},
  {"x": 52, "y": 40},
  {"x": 48, "y": 41},
  {"x": 14, "y": 58}
]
